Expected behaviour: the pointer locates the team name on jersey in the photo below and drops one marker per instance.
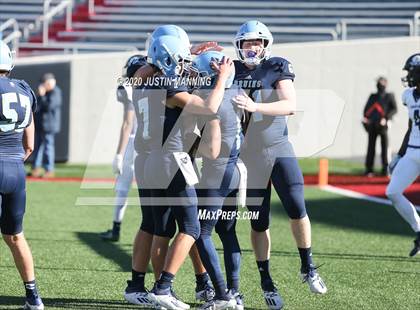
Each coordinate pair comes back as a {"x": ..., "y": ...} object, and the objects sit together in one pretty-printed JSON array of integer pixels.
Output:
[{"x": 248, "y": 83}]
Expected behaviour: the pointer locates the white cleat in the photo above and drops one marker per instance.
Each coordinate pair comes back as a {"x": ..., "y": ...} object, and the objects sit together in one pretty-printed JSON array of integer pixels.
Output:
[
  {"x": 141, "y": 299},
  {"x": 316, "y": 284},
  {"x": 168, "y": 302},
  {"x": 217, "y": 304},
  {"x": 239, "y": 299},
  {"x": 205, "y": 295},
  {"x": 273, "y": 299}
]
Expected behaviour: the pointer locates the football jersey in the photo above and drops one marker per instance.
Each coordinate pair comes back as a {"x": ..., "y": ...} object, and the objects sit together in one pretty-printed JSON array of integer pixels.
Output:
[
  {"x": 165, "y": 126},
  {"x": 141, "y": 107},
  {"x": 125, "y": 97},
  {"x": 17, "y": 102},
  {"x": 260, "y": 82},
  {"x": 230, "y": 125},
  {"x": 412, "y": 101}
]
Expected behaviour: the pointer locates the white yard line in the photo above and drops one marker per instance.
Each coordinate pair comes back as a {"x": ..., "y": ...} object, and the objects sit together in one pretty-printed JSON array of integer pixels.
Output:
[{"x": 357, "y": 195}]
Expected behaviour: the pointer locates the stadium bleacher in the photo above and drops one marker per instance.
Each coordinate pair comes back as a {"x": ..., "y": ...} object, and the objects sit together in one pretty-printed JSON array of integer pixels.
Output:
[{"x": 126, "y": 23}]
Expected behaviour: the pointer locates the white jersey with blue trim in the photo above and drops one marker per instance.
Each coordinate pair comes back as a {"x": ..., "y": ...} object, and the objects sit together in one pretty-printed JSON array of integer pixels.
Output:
[{"x": 411, "y": 99}]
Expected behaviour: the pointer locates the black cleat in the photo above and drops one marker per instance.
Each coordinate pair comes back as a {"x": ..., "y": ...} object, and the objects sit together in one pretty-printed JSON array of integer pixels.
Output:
[
  {"x": 416, "y": 248},
  {"x": 109, "y": 235}
]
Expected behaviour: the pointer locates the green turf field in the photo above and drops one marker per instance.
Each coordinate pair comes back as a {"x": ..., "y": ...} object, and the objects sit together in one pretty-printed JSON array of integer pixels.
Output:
[
  {"x": 308, "y": 166},
  {"x": 363, "y": 245}
]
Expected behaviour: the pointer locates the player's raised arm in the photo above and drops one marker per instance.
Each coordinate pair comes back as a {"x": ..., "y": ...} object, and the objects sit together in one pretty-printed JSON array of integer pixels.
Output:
[
  {"x": 196, "y": 105},
  {"x": 200, "y": 48}
]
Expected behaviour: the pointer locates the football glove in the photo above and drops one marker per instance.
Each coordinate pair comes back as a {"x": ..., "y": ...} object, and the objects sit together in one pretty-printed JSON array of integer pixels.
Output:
[{"x": 117, "y": 164}]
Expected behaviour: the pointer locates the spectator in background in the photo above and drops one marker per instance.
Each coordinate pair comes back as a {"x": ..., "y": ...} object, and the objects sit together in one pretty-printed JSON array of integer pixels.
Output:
[
  {"x": 379, "y": 109},
  {"x": 47, "y": 124}
]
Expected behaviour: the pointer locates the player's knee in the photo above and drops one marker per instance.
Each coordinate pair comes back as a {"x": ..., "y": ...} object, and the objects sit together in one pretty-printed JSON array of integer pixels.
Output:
[
  {"x": 192, "y": 230},
  {"x": 295, "y": 203},
  {"x": 392, "y": 193},
  {"x": 13, "y": 239},
  {"x": 260, "y": 225},
  {"x": 206, "y": 228},
  {"x": 297, "y": 213}
]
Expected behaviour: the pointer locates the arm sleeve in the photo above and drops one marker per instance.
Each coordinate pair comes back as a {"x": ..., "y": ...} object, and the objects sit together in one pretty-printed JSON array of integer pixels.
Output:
[{"x": 404, "y": 144}]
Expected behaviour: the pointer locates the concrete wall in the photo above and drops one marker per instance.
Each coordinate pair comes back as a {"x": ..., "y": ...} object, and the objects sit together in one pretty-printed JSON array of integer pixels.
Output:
[
  {"x": 349, "y": 69},
  {"x": 329, "y": 75}
]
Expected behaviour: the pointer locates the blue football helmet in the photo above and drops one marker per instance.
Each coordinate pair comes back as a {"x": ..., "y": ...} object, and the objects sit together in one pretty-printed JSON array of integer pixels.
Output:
[
  {"x": 253, "y": 30},
  {"x": 168, "y": 30},
  {"x": 133, "y": 64},
  {"x": 201, "y": 65},
  {"x": 170, "y": 55},
  {"x": 6, "y": 58},
  {"x": 412, "y": 66}
]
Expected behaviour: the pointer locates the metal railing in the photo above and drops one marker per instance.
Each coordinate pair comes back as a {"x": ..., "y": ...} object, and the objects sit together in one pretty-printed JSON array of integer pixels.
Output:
[
  {"x": 91, "y": 7},
  {"x": 14, "y": 35},
  {"x": 75, "y": 47},
  {"x": 342, "y": 25},
  {"x": 45, "y": 19}
]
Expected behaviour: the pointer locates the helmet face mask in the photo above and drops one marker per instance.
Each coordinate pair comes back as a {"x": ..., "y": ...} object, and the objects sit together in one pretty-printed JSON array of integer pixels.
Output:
[
  {"x": 252, "y": 31},
  {"x": 412, "y": 66},
  {"x": 254, "y": 51}
]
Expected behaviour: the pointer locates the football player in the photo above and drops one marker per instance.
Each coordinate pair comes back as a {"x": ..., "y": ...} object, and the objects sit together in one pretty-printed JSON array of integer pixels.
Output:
[
  {"x": 220, "y": 143},
  {"x": 267, "y": 153},
  {"x": 123, "y": 163},
  {"x": 405, "y": 167},
  {"x": 168, "y": 170},
  {"x": 17, "y": 104},
  {"x": 135, "y": 291}
]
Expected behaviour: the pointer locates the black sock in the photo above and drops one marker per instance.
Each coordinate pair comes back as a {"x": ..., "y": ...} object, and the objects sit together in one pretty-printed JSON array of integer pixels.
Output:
[
  {"x": 233, "y": 284},
  {"x": 116, "y": 228},
  {"x": 418, "y": 235},
  {"x": 264, "y": 269},
  {"x": 165, "y": 280},
  {"x": 201, "y": 280},
  {"x": 305, "y": 259},
  {"x": 30, "y": 288},
  {"x": 138, "y": 278}
]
